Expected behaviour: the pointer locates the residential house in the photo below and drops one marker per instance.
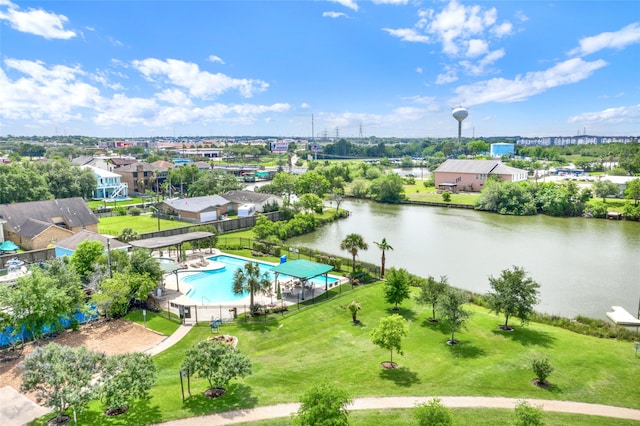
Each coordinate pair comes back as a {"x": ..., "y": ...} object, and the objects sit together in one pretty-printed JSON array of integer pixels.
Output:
[
  {"x": 139, "y": 177},
  {"x": 35, "y": 225},
  {"x": 68, "y": 246},
  {"x": 239, "y": 198},
  {"x": 471, "y": 175},
  {"x": 197, "y": 209},
  {"x": 108, "y": 184}
]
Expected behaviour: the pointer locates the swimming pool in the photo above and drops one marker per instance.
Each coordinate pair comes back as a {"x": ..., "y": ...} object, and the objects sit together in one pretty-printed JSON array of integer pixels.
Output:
[{"x": 216, "y": 286}]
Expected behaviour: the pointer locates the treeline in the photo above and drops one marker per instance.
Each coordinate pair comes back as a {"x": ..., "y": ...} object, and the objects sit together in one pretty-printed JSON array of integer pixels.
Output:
[
  {"x": 556, "y": 199},
  {"x": 35, "y": 181}
]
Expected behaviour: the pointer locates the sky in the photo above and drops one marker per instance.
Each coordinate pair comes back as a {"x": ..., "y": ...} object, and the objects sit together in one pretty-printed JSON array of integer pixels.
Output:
[{"x": 305, "y": 68}]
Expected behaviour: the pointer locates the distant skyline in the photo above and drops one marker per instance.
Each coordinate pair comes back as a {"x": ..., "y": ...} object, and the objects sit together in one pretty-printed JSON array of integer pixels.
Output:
[{"x": 384, "y": 68}]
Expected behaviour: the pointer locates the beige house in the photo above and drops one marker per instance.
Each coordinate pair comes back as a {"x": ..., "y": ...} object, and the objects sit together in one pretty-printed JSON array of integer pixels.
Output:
[
  {"x": 471, "y": 175},
  {"x": 36, "y": 225},
  {"x": 197, "y": 209}
]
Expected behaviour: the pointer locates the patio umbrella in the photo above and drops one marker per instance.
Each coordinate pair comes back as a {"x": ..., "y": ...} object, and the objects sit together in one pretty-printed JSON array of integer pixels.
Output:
[{"x": 8, "y": 246}]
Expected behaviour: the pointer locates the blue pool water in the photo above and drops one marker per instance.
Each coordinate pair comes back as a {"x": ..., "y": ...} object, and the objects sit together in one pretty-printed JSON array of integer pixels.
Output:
[{"x": 217, "y": 286}]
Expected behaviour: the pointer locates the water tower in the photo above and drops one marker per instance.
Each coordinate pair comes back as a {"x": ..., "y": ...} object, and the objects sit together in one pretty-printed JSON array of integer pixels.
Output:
[{"x": 460, "y": 114}]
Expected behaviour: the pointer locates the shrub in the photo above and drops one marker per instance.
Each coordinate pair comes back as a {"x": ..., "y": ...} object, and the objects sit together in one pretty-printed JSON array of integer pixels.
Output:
[
  {"x": 120, "y": 211},
  {"x": 135, "y": 211},
  {"x": 527, "y": 415},
  {"x": 631, "y": 212},
  {"x": 446, "y": 196},
  {"x": 432, "y": 413},
  {"x": 541, "y": 368},
  {"x": 596, "y": 209}
]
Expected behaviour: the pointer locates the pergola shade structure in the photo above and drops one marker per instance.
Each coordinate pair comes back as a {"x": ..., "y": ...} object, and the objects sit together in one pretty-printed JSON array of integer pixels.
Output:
[
  {"x": 303, "y": 270},
  {"x": 172, "y": 240}
]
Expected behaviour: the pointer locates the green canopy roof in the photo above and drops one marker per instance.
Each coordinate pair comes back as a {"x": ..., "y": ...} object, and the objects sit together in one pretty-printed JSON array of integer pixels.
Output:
[
  {"x": 303, "y": 269},
  {"x": 8, "y": 246}
]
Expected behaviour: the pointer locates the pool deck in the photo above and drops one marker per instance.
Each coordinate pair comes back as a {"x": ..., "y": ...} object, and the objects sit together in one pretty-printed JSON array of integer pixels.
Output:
[{"x": 197, "y": 261}]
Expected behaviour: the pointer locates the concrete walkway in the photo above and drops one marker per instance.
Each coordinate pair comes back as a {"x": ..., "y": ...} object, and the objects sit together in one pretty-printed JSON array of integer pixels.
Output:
[
  {"x": 170, "y": 340},
  {"x": 285, "y": 410}
]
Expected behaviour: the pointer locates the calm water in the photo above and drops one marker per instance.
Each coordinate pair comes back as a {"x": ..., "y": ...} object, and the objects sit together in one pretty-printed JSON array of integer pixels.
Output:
[{"x": 584, "y": 266}]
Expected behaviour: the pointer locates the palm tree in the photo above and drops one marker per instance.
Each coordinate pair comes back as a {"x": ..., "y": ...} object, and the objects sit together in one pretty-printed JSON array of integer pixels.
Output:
[
  {"x": 354, "y": 307},
  {"x": 250, "y": 279},
  {"x": 384, "y": 246},
  {"x": 352, "y": 243}
]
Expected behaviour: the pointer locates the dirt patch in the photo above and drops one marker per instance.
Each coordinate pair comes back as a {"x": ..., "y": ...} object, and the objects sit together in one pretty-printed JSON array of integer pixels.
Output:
[{"x": 111, "y": 337}]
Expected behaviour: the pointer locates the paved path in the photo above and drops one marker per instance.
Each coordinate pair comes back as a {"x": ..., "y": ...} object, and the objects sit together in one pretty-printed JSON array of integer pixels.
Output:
[
  {"x": 285, "y": 410},
  {"x": 170, "y": 340}
]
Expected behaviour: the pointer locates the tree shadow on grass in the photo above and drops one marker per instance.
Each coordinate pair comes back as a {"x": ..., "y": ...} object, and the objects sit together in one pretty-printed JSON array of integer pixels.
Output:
[
  {"x": 527, "y": 337},
  {"x": 407, "y": 314},
  {"x": 465, "y": 350},
  {"x": 550, "y": 387},
  {"x": 141, "y": 412},
  {"x": 237, "y": 396},
  {"x": 400, "y": 376}
]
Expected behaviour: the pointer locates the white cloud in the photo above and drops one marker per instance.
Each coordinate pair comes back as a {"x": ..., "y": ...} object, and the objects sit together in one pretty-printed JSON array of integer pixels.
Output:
[
  {"x": 199, "y": 83},
  {"x": 215, "y": 59},
  {"x": 36, "y": 21},
  {"x": 449, "y": 76},
  {"x": 305, "y": 105},
  {"x": 520, "y": 16},
  {"x": 608, "y": 40},
  {"x": 476, "y": 48},
  {"x": 334, "y": 15},
  {"x": 480, "y": 67},
  {"x": 351, "y": 4},
  {"x": 522, "y": 87},
  {"x": 623, "y": 114},
  {"x": 503, "y": 29},
  {"x": 174, "y": 97},
  {"x": 400, "y": 2},
  {"x": 419, "y": 70},
  {"x": 408, "y": 34}
]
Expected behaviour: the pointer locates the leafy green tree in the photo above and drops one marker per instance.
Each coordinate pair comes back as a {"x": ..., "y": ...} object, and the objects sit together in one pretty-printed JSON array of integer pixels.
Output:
[
  {"x": 514, "y": 294},
  {"x": 38, "y": 300},
  {"x": 323, "y": 404},
  {"x": 143, "y": 263},
  {"x": 359, "y": 188},
  {"x": 86, "y": 257},
  {"x": 212, "y": 183},
  {"x": 604, "y": 188},
  {"x": 396, "y": 287},
  {"x": 384, "y": 247},
  {"x": 432, "y": 413},
  {"x": 632, "y": 191},
  {"x": 311, "y": 202},
  {"x": 354, "y": 307},
  {"x": 249, "y": 279},
  {"x": 388, "y": 188},
  {"x": 430, "y": 292},
  {"x": 312, "y": 183},
  {"x": 284, "y": 185},
  {"x": 216, "y": 362},
  {"x": 452, "y": 312},
  {"x": 126, "y": 377},
  {"x": 114, "y": 295},
  {"x": 527, "y": 415},
  {"x": 127, "y": 235},
  {"x": 508, "y": 198},
  {"x": 542, "y": 369},
  {"x": 389, "y": 333},
  {"x": 264, "y": 228},
  {"x": 353, "y": 243},
  {"x": 61, "y": 376}
]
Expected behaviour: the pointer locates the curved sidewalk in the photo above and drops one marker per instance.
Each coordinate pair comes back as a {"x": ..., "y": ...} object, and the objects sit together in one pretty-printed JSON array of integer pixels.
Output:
[{"x": 285, "y": 410}]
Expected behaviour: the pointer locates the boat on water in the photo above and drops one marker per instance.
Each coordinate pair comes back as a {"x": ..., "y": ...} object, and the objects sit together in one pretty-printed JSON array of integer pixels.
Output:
[{"x": 16, "y": 268}]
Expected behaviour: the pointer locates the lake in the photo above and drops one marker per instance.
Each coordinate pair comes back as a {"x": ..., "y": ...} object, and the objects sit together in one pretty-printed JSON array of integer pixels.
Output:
[{"x": 584, "y": 266}]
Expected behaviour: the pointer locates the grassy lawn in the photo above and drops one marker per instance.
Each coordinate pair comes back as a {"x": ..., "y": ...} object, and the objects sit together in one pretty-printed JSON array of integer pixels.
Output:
[
  {"x": 461, "y": 417},
  {"x": 155, "y": 322},
  {"x": 291, "y": 353},
  {"x": 418, "y": 192},
  {"x": 144, "y": 223},
  {"x": 95, "y": 204}
]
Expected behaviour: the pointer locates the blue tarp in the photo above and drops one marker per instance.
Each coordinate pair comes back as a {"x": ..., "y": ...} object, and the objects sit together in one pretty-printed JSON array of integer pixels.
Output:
[{"x": 8, "y": 336}]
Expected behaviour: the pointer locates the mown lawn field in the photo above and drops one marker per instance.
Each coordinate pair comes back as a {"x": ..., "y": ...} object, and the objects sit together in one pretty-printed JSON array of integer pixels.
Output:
[
  {"x": 291, "y": 353},
  {"x": 144, "y": 223}
]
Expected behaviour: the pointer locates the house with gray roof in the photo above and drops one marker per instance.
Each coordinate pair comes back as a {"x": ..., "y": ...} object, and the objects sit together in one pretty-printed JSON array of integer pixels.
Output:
[
  {"x": 240, "y": 198},
  {"x": 471, "y": 175},
  {"x": 68, "y": 246},
  {"x": 36, "y": 225},
  {"x": 197, "y": 209}
]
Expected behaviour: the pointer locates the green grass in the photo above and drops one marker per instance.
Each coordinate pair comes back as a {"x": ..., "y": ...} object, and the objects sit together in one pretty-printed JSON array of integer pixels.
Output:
[
  {"x": 155, "y": 321},
  {"x": 419, "y": 192},
  {"x": 96, "y": 204},
  {"x": 144, "y": 223},
  {"x": 461, "y": 417},
  {"x": 291, "y": 353}
]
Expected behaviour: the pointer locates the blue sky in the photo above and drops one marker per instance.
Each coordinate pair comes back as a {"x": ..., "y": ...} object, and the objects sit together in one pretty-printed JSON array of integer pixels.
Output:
[{"x": 264, "y": 68}]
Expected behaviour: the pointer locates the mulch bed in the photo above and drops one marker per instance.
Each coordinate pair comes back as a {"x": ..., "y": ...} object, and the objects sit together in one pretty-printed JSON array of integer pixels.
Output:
[
  {"x": 214, "y": 393},
  {"x": 389, "y": 365}
]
